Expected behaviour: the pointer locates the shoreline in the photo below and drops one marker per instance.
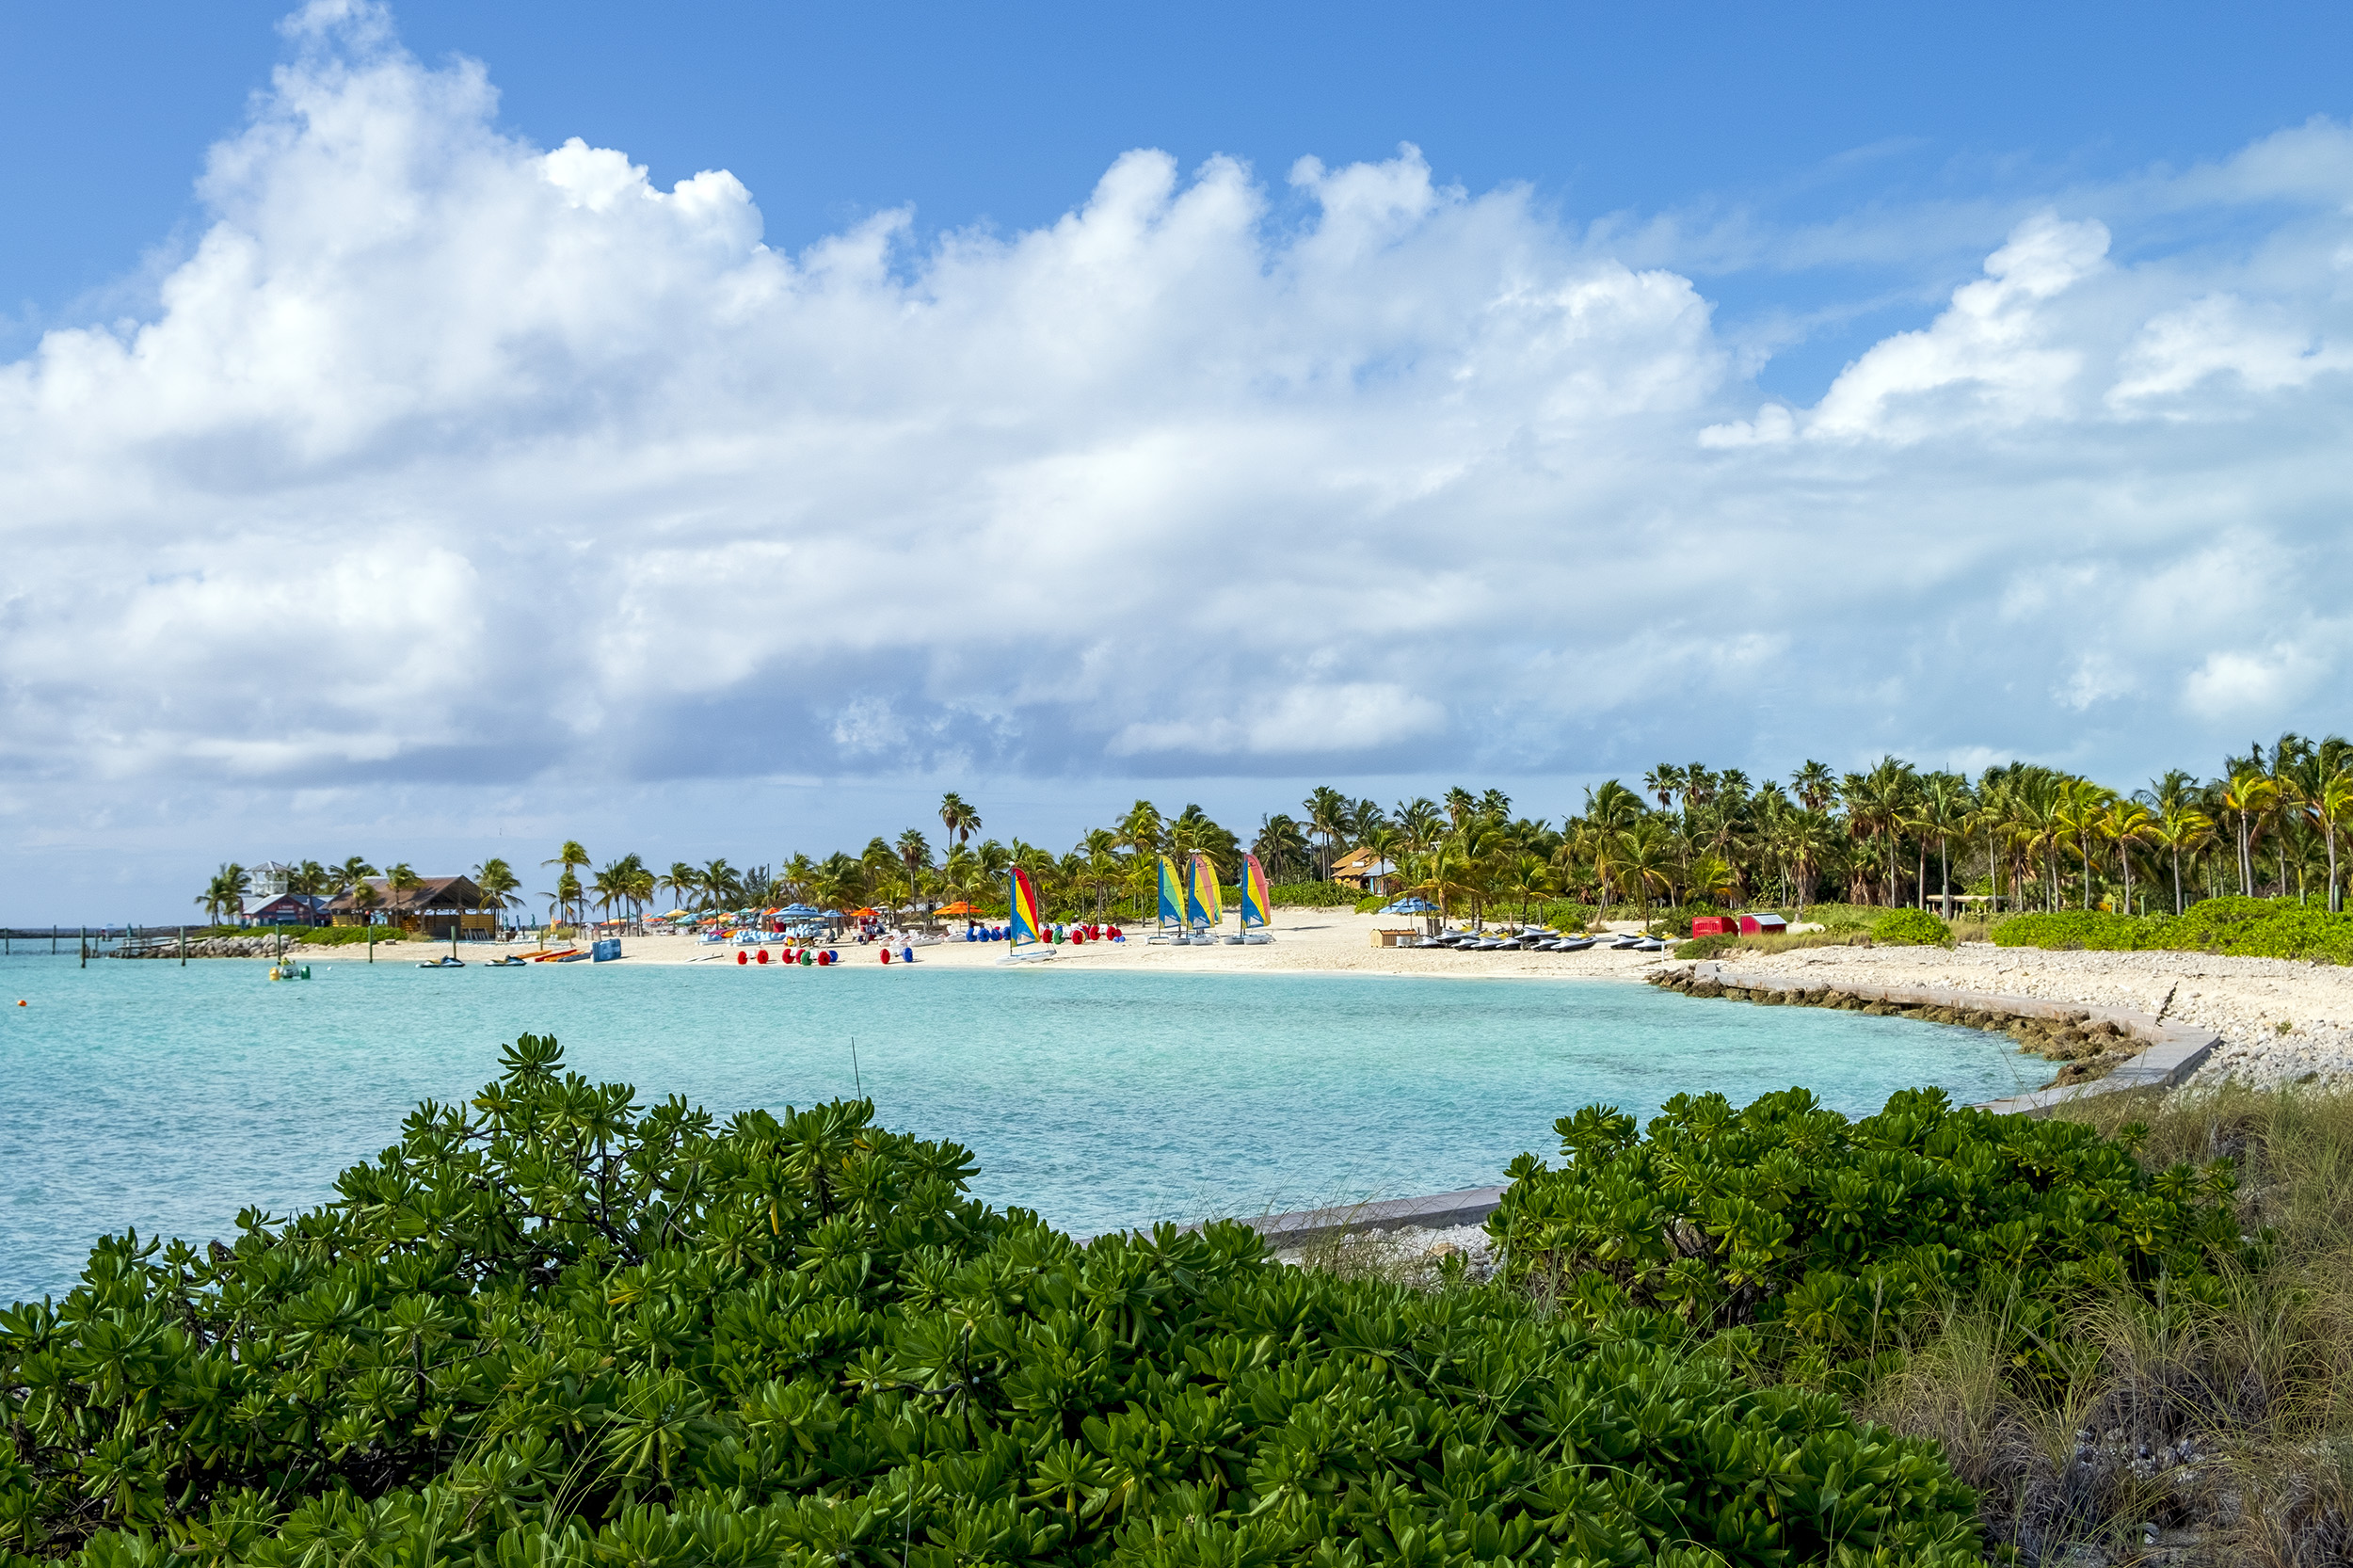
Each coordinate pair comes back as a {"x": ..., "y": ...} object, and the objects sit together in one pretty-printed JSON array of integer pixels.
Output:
[{"x": 2279, "y": 1020}]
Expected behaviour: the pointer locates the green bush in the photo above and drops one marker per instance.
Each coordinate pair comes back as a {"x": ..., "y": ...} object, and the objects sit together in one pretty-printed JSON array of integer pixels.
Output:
[
  {"x": 1911, "y": 928},
  {"x": 343, "y": 935},
  {"x": 1314, "y": 895},
  {"x": 1810, "y": 1243},
  {"x": 552, "y": 1328},
  {"x": 2248, "y": 927},
  {"x": 1707, "y": 947},
  {"x": 1372, "y": 904}
]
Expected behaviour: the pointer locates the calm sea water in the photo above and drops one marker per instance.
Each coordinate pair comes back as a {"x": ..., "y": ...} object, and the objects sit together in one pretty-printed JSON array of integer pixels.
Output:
[{"x": 149, "y": 1095}]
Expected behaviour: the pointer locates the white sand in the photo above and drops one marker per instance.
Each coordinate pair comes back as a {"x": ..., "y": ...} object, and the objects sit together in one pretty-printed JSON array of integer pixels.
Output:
[
  {"x": 2281, "y": 1020},
  {"x": 1328, "y": 941}
]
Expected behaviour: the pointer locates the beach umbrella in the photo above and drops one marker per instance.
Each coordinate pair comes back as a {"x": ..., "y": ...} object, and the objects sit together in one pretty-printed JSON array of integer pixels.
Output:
[
  {"x": 959, "y": 907},
  {"x": 1411, "y": 906},
  {"x": 800, "y": 910}
]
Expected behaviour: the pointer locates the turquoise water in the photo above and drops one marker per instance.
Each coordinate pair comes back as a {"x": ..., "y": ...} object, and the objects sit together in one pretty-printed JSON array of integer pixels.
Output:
[{"x": 166, "y": 1098}]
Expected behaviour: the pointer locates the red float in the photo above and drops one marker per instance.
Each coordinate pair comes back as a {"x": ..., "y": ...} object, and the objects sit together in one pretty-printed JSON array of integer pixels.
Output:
[{"x": 743, "y": 957}]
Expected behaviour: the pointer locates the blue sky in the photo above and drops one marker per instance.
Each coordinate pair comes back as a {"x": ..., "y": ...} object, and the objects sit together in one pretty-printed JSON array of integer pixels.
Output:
[
  {"x": 1000, "y": 115},
  {"x": 717, "y": 431}
]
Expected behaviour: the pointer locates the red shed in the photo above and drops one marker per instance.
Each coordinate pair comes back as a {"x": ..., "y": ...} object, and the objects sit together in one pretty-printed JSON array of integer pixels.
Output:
[
  {"x": 1711, "y": 925},
  {"x": 1763, "y": 926}
]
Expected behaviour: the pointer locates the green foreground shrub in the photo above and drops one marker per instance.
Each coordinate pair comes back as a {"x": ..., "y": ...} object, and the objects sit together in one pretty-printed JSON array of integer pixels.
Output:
[
  {"x": 2249, "y": 927},
  {"x": 1811, "y": 1245},
  {"x": 1911, "y": 928},
  {"x": 552, "y": 1328}
]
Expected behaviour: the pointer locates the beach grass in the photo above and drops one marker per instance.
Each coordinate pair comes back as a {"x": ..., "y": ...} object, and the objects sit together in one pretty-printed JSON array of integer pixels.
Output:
[
  {"x": 2185, "y": 1432},
  {"x": 2225, "y": 1425}
]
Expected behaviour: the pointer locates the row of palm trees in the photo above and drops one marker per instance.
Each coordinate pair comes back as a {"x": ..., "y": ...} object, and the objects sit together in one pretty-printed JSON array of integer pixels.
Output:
[
  {"x": 2018, "y": 836},
  {"x": 225, "y": 894}
]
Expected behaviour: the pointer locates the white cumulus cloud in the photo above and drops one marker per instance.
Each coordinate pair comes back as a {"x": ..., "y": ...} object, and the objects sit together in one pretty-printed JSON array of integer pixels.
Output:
[{"x": 447, "y": 455}]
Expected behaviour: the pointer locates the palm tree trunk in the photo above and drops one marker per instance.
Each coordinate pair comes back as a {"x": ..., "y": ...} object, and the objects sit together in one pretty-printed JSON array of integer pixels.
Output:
[{"x": 2177, "y": 879}]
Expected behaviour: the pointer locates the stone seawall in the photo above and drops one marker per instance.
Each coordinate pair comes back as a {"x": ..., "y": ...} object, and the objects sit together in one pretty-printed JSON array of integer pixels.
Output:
[{"x": 2101, "y": 1049}]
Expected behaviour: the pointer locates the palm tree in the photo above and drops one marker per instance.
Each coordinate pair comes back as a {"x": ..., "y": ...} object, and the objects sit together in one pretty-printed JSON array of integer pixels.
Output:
[
  {"x": 497, "y": 881},
  {"x": 1877, "y": 802},
  {"x": 1711, "y": 876},
  {"x": 1666, "y": 782},
  {"x": 1140, "y": 831},
  {"x": 1418, "y": 819},
  {"x": 958, "y": 817},
  {"x": 1191, "y": 832},
  {"x": 1100, "y": 865},
  {"x": 348, "y": 877},
  {"x": 568, "y": 858},
  {"x": 2330, "y": 806},
  {"x": 568, "y": 893},
  {"x": 611, "y": 886},
  {"x": 1444, "y": 875},
  {"x": 1939, "y": 811},
  {"x": 2083, "y": 805},
  {"x": 1813, "y": 784},
  {"x": 2247, "y": 796},
  {"x": 2181, "y": 826},
  {"x": 1281, "y": 844},
  {"x": 1530, "y": 878},
  {"x": 2126, "y": 824},
  {"x": 217, "y": 895},
  {"x": 1644, "y": 859},
  {"x": 720, "y": 884},
  {"x": 1461, "y": 806},
  {"x": 1805, "y": 842},
  {"x": 1327, "y": 818},
  {"x": 681, "y": 880},
  {"x": 917, "y": 853},
  {"x": 399, "y": 882}
]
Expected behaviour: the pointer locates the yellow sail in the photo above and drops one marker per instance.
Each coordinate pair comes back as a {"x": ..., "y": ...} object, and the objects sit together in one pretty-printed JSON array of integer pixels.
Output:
[{"x": 1202, "y": 904}]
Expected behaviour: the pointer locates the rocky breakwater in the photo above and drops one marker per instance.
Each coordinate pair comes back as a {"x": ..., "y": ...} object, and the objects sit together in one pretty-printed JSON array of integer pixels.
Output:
[
  {"x": 2097, "y": 1048},
  {"x": 2090, "y": 1047},
  {"x": 209, "y": 946}
]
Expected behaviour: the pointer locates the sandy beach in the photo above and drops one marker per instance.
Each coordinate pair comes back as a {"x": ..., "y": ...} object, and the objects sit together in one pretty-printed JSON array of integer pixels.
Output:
[{"x": 2279, "y": 1020}]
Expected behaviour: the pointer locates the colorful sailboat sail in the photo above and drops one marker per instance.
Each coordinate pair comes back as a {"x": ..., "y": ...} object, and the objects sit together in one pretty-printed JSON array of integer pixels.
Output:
[
  {"x": 1021, "y": 905},
  {"x": 1172, "y": 893},
  {"x": 1202, "y": 904},
  {"x": 1257, "y": 904}
]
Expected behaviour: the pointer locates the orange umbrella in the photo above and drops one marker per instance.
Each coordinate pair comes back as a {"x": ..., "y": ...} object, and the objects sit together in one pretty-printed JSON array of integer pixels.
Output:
[
  {"x": 862, "y": 914},
  {"x": 959, "y": 907}
]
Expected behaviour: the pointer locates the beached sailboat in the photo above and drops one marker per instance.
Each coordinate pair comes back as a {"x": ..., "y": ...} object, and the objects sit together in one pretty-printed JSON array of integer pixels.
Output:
[
  {"x": 1257, "y": 904},
  {"x": 1172, "y": 904},
  {"x": 1025, "y": 931},
  {"x": 1203, "y": 908}
]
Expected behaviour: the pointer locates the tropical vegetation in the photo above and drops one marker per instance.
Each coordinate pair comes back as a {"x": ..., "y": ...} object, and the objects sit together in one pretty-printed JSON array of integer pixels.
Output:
[
  {"x": 556, "y": 1326},
  {"x": 2020, "y": 837}
]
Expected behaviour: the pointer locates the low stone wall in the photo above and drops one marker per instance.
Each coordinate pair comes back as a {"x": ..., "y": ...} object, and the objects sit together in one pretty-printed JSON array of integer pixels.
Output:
[{"x": 2103, "y": 1049}]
